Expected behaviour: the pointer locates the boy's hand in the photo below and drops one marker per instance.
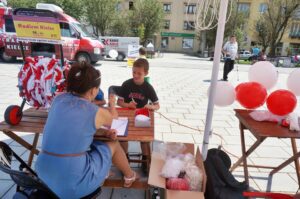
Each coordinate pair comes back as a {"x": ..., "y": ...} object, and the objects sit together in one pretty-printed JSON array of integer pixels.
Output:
[
  {"x": 111, "y": 133},
  {"x": 148, "y": 106},
  {"x": 112, "y": 100},
  {"x": 132, "y": 105}
]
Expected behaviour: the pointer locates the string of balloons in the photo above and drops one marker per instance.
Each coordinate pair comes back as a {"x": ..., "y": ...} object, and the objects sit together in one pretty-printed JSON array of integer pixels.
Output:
[{"x": 205, "y": 14}]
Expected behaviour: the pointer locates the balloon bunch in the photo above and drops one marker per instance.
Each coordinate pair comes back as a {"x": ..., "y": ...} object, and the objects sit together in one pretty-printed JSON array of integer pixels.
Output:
[
  {"x": 39, "y": 79},
  {"x": 253, "y": 94}
]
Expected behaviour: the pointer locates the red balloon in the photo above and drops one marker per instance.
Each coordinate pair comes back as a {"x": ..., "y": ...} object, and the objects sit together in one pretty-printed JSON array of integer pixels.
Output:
[
  {"x": 281, "y": 102},
  {"x": 251, "y": 95}
]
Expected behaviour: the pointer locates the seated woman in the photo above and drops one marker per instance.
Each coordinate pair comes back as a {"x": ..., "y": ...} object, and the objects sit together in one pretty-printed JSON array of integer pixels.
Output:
[{"x": 71, "y": 162}]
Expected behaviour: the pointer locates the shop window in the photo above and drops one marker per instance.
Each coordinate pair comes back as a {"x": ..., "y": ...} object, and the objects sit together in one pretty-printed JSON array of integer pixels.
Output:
[
  {"x": 189, "y": 25},
  {"x": 164, "y": 42},
  {"x": 190, "y": 8},
  {"x": 167, "y": 7},
  {"x": 167, "y": 24},
  {"x": 187, "y": 43}
]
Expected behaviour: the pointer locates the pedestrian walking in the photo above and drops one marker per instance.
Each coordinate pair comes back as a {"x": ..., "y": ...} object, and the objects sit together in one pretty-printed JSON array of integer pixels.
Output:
[{"x": 230, "y": 54}]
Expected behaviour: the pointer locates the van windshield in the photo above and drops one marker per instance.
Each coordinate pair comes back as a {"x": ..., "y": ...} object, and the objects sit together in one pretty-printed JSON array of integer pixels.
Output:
[{"x": 80, "y": 28}]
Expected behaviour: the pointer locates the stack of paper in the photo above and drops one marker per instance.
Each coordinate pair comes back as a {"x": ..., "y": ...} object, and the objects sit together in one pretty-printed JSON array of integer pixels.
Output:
[{"x": 120, "y": 125}]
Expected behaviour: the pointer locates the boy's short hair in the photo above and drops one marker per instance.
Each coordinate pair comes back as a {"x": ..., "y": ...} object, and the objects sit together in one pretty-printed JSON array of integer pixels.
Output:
[
  {"x": 142, "y": 51},
  {"x": 142, "y": 63}
]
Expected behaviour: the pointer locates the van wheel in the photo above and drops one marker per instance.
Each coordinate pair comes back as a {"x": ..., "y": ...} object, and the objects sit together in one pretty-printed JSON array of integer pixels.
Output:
[
  {"x": 120, "y": 57},
  {"x": 7, "y": 58},
  {"x": 83, "y": 57}
]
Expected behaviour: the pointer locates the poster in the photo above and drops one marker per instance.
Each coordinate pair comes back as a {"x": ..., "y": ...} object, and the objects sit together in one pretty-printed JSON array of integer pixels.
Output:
[
  {"x": 37, "y": 29},
  {"x": 133, "y": 53}
]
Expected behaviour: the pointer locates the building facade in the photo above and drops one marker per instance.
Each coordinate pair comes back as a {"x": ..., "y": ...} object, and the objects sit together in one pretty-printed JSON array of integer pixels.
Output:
[
  {"x": 290, "y": 42},
  {"x": 178, "y": 33}
]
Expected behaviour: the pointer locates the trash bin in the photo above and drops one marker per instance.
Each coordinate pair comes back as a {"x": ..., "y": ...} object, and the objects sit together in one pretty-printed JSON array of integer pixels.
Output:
[{"x": 205, "y": 54}]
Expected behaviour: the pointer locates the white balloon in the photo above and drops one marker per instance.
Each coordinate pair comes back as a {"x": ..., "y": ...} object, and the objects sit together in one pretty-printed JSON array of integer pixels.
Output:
[
  {"x": 113, "y": 53},
  {"x": 293, "y": 82},
  {"x": 225, "y": 94},
  {"x": 263, "y": 72}
]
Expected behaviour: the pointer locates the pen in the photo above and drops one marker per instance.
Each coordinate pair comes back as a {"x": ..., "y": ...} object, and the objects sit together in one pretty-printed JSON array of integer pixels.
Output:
[{"x": 133, "y": 100}]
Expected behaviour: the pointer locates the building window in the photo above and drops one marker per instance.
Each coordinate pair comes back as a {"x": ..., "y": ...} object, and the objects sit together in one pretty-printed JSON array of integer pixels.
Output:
[
  {"x": 244, "y": 7},
  {"x": 131, "y": 7},
  {"x": 295, "y": 30},
  {"x": 118, "y": 6},
  {"x": 187, "y": 43},
  {"x": 167, "y": 24},
  {"x": 167, "y": 7},
  {"x": 190, "y": 8},
  {"x": 263, "y": 7},
  {"x": 189, "y": 25},
  {"x": 164, "y": 42}
]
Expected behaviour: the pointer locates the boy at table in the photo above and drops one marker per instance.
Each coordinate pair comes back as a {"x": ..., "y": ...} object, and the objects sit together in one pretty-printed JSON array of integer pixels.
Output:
[{"x": 136, "y": 93}]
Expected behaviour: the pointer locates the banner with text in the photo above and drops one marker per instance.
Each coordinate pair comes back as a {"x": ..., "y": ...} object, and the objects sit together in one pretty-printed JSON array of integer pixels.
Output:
[{"x": 37, "y": 29}]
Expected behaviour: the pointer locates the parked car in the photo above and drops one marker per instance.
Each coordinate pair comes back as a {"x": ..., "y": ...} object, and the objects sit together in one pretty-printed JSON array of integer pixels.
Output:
[{"x": 245, "y": 55}]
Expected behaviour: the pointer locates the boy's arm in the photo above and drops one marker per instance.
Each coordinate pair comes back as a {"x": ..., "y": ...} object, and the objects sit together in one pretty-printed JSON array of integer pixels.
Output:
[
  {"x": 123, "y": 104},
  {"x": 154, "y": 106},
  {"x": 153, "y": 98},
  {"x": 99, "y": 102}
]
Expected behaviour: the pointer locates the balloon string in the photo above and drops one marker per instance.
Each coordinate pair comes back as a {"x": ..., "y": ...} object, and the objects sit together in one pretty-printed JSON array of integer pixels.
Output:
[{"x": 198, "y": 130}]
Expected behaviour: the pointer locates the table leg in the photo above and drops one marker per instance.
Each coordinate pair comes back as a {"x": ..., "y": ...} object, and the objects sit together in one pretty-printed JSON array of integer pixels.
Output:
[
  {"x": 294, "y": 158},
  {"x": 33, "y": 148},
  {"x": 245, "y": 153}
]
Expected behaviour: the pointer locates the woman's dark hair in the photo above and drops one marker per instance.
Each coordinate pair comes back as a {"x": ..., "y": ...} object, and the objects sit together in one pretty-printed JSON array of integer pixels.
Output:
[{"x": 82, "y": 77}]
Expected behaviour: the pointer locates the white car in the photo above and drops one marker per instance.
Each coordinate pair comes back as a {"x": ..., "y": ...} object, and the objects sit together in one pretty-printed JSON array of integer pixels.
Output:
[{"x": 245, "y": 55}]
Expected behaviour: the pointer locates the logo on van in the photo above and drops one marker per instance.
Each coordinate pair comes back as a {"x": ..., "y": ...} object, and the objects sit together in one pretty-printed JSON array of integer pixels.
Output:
[{"x": 110, "y": 42}]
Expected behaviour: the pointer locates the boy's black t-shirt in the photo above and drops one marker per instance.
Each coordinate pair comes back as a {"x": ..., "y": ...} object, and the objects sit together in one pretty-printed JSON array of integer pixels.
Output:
[{"x": 141, "y": 94}]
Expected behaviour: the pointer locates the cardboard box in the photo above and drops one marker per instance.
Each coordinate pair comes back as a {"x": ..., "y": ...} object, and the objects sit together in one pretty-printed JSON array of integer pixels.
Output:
[{"x": 157, "y": 181}]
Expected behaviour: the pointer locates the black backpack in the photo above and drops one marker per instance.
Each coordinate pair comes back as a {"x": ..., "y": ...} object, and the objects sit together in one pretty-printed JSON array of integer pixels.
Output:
[{"x": 220, "y": 182}]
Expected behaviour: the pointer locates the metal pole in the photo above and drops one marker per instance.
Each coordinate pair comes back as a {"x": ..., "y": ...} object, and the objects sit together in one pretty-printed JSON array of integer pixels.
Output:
[
  {"x": 214, "y": 75},
  {"x": 22, "y": 51},
  {"x": 61, "y": 55}
]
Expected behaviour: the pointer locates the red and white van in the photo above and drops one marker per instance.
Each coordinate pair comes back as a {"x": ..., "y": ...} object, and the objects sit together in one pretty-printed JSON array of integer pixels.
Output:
[{"x": 78, "y": 44}]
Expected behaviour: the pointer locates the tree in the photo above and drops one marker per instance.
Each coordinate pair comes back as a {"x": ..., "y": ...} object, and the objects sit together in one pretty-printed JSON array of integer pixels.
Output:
[
  {"x": 22, "y": 3},
  {"x": 73, "y": 8},
  {"x": 120, "y": 25},
  {"x": 101, "y": 14},
  {"x": 273, "y": 22},
  {"x": 234, "y": 26},
  {"x": 150, "y": 14}
]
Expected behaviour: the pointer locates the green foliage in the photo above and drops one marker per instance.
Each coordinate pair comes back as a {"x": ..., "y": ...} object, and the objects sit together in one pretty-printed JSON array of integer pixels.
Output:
[
  {"x": 234, "y": 25},
  {"x": 272, "y": 24},
  {"x": 71, "y": 7},
  {"x": 22, "y": 3},
  {"x": 150, "y": 14},
  {"x": 141, "y": 32},
  {"x": 100, "y": 14},
  {"x": 120, "y": 26}
]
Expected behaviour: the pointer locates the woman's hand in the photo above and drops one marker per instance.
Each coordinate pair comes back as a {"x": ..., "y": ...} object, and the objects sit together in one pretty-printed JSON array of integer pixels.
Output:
[{"x": 111, "y": 133}]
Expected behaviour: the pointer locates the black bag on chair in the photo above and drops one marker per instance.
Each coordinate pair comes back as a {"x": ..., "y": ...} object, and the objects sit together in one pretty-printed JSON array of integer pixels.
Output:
[{"x": 221, "y": 184}]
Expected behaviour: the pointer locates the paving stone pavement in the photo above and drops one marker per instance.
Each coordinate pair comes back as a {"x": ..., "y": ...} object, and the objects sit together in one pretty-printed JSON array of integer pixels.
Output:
[{"x": 181, "y": 82}]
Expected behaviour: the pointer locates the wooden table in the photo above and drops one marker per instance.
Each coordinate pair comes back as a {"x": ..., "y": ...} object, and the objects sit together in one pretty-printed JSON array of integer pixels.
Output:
[
  {"x": 261, "y": 131},
  {"x": 33, "y": 121}
]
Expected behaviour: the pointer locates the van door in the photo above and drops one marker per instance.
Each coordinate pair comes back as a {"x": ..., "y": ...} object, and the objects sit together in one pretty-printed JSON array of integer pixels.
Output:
[{"x": 70, "y": 40}]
